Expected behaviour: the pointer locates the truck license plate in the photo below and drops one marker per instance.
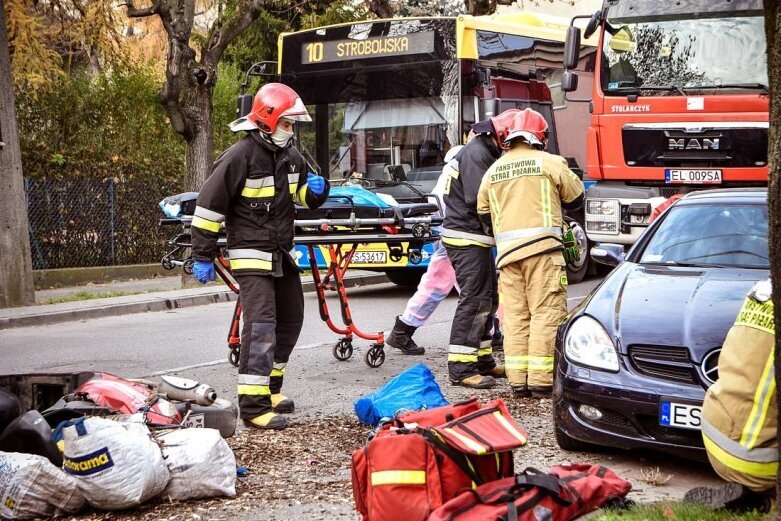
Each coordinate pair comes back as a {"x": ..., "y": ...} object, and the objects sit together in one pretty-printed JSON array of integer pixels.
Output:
[
  {"x": 683, "y": 415},
  {"x": 369, "y": 257},
  {"x": 692, "y": 176}
]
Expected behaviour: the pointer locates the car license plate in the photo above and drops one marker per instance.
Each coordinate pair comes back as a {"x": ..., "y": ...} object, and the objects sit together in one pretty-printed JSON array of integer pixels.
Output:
[
  {"x": 695, "y": 177},
  {"x": 683, "y": 415},
  {"x": 369, "y": 257}
]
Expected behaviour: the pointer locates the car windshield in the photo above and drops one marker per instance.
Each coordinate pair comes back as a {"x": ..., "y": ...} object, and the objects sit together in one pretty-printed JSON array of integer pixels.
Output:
[
  {"x": 711, "y": 235},
  {"x": 682, "y": 57}
]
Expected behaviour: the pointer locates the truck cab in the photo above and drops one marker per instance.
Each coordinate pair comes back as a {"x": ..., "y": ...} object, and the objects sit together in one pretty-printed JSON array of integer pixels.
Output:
[{"x": 680, "y": 103}]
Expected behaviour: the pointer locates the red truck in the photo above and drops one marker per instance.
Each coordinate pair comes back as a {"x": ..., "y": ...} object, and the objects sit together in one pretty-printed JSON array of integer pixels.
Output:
[{"x": 680, "y": 102}]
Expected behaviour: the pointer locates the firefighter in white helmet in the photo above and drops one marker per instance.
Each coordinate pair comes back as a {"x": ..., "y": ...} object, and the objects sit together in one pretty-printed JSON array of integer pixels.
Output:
[{"x": 520, "y": 203}]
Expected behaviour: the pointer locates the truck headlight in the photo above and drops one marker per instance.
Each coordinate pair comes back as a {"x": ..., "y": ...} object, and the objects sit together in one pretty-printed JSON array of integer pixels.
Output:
[
  {"x": 603, "y": 216},
  {"x": 587, "y": 343}
]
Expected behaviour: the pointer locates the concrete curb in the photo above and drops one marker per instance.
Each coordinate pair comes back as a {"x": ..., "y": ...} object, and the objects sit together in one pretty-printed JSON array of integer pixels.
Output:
[{"x": 162, "y": 301}]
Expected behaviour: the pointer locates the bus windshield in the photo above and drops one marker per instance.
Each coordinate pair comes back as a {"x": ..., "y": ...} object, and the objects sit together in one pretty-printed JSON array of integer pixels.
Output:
[
  {"x": 383, "y": 96},
  {"x": 684, "y": 56}
]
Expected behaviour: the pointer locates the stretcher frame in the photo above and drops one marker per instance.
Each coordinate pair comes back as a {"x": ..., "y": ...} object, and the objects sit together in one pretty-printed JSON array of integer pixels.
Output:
[{"x": 342, "y": 245}]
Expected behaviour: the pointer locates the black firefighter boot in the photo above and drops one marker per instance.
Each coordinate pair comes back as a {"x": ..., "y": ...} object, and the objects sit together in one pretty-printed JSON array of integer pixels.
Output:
[{"x": 401, "y": 339}]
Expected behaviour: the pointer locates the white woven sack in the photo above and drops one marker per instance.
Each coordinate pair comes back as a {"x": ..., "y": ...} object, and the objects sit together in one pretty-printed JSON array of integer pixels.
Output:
[
  {"x": 117, "y": 465},
  {"x": 200, "y": 462},
  {"x": 30, "y": 487}
]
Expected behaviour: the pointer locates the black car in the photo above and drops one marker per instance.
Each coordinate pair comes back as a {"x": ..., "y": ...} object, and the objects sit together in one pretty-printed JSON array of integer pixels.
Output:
[{"x": 634, "y": 359}]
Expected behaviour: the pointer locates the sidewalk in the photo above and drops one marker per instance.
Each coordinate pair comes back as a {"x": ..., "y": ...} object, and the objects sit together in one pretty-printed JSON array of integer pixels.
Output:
[{"x": 142, "y": 295}]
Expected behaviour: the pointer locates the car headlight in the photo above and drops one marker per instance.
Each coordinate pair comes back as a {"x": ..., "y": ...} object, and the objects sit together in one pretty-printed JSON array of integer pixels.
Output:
[{"x": 587, "y": 343}]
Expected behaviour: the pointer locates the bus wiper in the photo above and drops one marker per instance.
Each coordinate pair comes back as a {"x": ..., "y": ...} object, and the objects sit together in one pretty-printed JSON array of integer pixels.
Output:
[{"x": 760, "y": 86}]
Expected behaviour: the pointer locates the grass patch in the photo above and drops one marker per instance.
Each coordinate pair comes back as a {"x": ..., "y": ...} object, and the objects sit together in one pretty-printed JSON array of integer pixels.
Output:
[
  {"x": 88, "y": 295},
  {"x": 671, "y": 511}
]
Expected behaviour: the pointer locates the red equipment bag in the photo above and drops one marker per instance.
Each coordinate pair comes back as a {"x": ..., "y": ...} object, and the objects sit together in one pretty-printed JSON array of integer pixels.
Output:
[
  {"x": 412, "y": 465},
  {"x": 566, "y": 492}
]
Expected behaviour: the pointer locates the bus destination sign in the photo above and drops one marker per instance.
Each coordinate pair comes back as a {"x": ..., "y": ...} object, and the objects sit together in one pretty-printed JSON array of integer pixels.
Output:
[{"x": 383, "y": 46}]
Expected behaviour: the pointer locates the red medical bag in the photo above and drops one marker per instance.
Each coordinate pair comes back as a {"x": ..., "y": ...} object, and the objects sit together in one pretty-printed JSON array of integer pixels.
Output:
[
  {"x": 566, "y": 492},
  {"x": 423, "y": 459}
]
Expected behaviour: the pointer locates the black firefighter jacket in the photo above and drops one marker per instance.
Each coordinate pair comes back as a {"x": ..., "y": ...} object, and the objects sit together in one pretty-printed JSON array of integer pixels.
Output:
[
  {"x": 462, "y": 226},
  {"x": 252, "y": 189}
]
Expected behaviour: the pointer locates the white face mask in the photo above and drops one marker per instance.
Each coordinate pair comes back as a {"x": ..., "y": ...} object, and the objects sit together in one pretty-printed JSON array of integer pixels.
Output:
[{"x": 281, "y": 138}]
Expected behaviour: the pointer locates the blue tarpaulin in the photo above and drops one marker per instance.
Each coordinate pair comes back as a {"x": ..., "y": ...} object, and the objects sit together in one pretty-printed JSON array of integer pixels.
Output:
[{"x": 413, "y": 390}]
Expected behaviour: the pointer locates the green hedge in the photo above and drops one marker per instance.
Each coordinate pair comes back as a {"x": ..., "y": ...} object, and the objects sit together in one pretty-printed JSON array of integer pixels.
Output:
[{"x": 111, "y": 126}]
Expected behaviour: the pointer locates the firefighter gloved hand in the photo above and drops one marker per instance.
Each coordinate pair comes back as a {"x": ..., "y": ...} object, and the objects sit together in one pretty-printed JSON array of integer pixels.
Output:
[
  {"x": 315, "y": 183},
  {"x": 203, "y": 271}
]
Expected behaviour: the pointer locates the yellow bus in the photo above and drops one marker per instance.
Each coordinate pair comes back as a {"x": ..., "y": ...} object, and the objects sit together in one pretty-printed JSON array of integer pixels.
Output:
[{"x": 388, "y": 98}]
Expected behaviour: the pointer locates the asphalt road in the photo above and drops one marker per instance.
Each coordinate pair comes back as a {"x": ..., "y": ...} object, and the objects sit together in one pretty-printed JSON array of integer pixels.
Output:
[{"x": 191, "y": 343}]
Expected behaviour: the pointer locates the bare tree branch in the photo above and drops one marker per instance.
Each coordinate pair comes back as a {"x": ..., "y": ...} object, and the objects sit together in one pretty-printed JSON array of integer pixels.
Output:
[
  {"x": 134, "y": 12},
  {"x": 223, "y": 36}
]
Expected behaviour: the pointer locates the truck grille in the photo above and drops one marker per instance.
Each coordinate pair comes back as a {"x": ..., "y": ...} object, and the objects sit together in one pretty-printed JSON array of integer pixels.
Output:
[
  {"x": 706, "y": 148},
  {"x": 665, "y": 362}
]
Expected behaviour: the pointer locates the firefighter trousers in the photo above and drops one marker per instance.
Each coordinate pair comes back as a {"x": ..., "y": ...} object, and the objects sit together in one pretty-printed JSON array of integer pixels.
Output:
[
  {"x": 469, "y": 352},
  {"x": 273, "y": 313},
  {"x": 534, "y": 296}
]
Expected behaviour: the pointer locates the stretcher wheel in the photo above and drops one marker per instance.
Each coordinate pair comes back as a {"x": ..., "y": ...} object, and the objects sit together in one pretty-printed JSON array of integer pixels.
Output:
[
  {"x": 375, "y": 356},
  {"x": 187, "y": 266},
  {"x": 233, "y": 355},
  {"x": 420, "y": 230},
  {"x": 343, "y": 349},
  {"x": 167, "y": 264}
]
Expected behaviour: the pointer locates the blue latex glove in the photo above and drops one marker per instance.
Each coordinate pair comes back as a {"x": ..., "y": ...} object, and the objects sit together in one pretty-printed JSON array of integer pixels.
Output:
[
  {"x": 315, "y": 183},
  {"x": 203, "y": 271}
]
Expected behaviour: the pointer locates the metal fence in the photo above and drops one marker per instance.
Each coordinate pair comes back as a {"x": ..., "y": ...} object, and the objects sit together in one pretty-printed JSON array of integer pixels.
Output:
[{"x": 86, "y": 223}]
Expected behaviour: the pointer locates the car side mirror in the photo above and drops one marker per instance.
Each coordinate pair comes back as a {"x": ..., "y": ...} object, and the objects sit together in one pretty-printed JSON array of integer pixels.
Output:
[{"x": 608, "y": 254}]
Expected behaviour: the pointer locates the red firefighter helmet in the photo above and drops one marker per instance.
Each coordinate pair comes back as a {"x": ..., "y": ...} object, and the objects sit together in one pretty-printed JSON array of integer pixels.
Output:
[
  {"x": 272, "y": 102},
  {"x": 528, "y": 125}
]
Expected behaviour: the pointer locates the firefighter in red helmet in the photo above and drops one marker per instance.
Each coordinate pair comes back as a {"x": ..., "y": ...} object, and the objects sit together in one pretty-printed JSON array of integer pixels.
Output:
[
  {"x": 251, "y": 191},
  {"x": 520, "y": 204}
]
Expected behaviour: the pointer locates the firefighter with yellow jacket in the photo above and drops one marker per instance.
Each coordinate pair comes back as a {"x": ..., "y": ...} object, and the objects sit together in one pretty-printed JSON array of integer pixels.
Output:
[
  {"x": 739, "y": 415},
  {"x": 520, "y": 203}
]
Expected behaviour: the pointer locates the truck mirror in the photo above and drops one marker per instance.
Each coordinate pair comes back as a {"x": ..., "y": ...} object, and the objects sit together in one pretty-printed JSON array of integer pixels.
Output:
[
  {"x": 569, "y": 82},
  {"x": 593, "y": 24},
  {"x": 572, "y": 48},
  {"x": 488, "y": 108},
  {"x": 243, "y": 105}
]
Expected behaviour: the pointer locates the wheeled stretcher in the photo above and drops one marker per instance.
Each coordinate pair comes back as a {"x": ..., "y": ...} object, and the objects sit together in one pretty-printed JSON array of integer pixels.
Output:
[{"x": 341, "y": 225}]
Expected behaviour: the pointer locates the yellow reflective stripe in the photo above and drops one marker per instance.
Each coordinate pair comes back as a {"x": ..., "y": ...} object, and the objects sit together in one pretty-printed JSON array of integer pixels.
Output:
[
  {"x": 250, "y": 264},
  {"x": 494, "y": 208},
  {"x": 205, "y": 224},
  {"x": 301, "y": 196},
  {"x": 469, "y": 442},
  {"x": 509, "y": 426},
  {"x": 254, "y": 390},
  {"x": 266, "y": 191},
  {"x": 547, "y": 217},
  {"x": 398, "y": 477},
  {"x": 758, "y": 315},
  {"x": 463, "y": 242},
  {"x": 293, "y": 187},
  {"x": 277, "y": 372},
  {"x": 487, "y": 351},
  {"x": 541, "y": 363},
  {"x": 747, "y": 467},
  {"x": 765, "y": 391},
  {"x": 520, "y": 363},
  {"x": 454, "y": 357}
]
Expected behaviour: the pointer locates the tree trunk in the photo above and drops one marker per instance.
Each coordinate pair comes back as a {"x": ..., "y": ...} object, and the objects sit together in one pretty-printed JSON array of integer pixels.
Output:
[
  {"x": 199, "y": 149},
  {"x": 772, "y": 18},
  {"x": 16, "y": 272}
]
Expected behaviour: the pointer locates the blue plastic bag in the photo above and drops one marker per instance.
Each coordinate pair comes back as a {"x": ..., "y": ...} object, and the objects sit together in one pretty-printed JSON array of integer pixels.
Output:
[
  {"x": 360, "y": 196},
  {"x": 413, "y": 390}
]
